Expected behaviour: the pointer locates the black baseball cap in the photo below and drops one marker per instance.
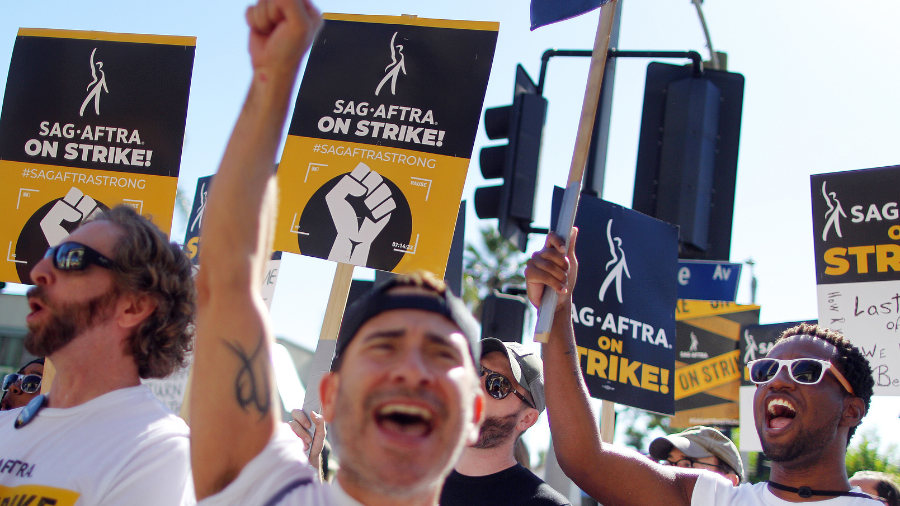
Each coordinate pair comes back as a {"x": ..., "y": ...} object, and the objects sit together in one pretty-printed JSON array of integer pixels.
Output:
[{"x": 380, "y": 300}]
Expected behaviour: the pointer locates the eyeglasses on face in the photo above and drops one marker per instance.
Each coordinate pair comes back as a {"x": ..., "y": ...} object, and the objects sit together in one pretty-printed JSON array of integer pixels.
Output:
[
  {"x": 693, "y": 463},
  {"x": 29, "y": 383},
  {"x": 74, "y": 256},
  {"x": 498, "y": 386},
  {"x": 805, "y": 371}
]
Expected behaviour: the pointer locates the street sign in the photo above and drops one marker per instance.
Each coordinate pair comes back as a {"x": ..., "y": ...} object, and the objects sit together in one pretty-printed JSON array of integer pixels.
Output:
[{"x": 708, "y": 280}]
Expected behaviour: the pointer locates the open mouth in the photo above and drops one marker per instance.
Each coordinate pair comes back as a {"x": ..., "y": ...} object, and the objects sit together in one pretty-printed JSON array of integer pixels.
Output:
[
  {"x": 405, "y": 419},
  {"x": 780, "y": 413}
]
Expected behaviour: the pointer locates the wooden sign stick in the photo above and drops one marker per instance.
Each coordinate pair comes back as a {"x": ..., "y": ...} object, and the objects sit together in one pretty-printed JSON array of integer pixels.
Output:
[
  {"x": 608, "y": 421},
  {"x": 321, "y": 362},
  {"x": 579, "y": 156}
]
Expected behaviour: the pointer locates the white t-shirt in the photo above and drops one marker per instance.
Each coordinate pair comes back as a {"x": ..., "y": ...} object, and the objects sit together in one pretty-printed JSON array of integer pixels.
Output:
[
  {"x": 280, "y": 476},
  {"x": 714, "y": 490},
  {"x": 123, "y": 448}
]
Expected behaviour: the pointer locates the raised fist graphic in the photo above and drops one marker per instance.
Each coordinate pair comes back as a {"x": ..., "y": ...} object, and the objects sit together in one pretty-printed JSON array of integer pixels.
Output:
[
  {"x": 74, "y": 207},
  {"x": 355, "y": 232}
]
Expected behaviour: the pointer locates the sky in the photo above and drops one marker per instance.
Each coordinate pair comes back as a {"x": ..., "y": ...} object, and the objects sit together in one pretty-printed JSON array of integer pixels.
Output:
[{"x": 819, "y": 97}]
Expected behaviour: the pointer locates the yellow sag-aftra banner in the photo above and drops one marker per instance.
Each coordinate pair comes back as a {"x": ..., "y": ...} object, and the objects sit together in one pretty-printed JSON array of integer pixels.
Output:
[
  {"x": 378, "y": 148},
  {"x": 90, "y": 120}
]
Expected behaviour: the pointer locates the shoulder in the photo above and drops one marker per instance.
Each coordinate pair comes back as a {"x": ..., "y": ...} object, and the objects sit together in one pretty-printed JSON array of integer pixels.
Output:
[{"x": 279, "y": 475}]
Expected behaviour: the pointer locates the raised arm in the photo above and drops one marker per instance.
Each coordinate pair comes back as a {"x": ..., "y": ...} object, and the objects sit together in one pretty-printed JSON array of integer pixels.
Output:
[
  {"x": 233, "y": 403},
  {"x": 610, "y": 474}
]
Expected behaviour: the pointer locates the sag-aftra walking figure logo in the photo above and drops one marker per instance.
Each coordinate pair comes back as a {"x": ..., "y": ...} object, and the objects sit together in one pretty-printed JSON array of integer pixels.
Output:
[
  {"x": 394, "y": 68},
  {"x": 99, "y": 84},
  {"x": 617, "y": 263}
]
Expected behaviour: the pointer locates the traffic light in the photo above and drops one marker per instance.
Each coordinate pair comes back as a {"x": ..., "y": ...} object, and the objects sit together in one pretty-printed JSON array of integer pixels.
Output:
[
  {"x": 503, "y": 315},
  {"x": 687, "y": 155},
  {"x": 522, "y": 123}
]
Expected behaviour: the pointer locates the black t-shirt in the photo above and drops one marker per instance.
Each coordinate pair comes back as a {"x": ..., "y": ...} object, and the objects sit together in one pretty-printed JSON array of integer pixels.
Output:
[{"x": 514, "y": 486}]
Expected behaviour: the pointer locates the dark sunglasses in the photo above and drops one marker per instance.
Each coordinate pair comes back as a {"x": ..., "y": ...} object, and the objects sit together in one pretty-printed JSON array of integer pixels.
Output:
[
  {"x": 498, "y": 386},
  {"x": 805, "y": 371},
  {"x": 74, "y": 256},
  {"x": 29, "y": 383}
]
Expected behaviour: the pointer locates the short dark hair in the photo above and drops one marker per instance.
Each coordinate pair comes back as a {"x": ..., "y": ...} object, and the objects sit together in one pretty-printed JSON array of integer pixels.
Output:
[
  {"x": 855, "y": 366},
  {"x": 148, "y": 264}
]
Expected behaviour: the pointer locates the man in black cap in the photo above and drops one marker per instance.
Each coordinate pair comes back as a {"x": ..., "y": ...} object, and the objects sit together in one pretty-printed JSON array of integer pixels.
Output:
[
  {"x": 700, "y": 448},
  {"x": 487, "y": 473},
  {"x": 404, "y": 377}
]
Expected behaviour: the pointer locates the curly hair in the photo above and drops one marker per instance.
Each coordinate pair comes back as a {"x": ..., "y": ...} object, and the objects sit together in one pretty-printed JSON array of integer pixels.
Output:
[
  {"x": 855, "y": 366},
  {"x": 148, "y": 264}
]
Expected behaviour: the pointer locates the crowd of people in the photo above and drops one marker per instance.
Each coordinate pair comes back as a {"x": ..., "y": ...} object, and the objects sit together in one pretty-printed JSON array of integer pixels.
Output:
[{"x": 420, "y": 410}]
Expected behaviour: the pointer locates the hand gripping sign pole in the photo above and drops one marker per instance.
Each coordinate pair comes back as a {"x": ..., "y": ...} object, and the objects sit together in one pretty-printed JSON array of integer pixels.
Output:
[{"x": 579, "y": 156}]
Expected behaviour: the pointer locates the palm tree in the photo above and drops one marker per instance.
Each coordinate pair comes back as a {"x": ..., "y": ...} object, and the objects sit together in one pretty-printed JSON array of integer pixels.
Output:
[{"x": 493, "y": 265}]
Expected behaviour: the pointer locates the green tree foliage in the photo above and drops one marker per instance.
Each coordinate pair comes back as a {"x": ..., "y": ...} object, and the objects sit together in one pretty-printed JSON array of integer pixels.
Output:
[
  {"x": 867, "y": 455},
  {"x": 490, "y": 266}
]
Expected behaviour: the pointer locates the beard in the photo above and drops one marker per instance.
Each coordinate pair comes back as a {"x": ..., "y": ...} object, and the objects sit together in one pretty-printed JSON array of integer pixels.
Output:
[
  {"x": 808, "y": 444},
  {"x": 496, "y": 431},
  {"x": 66, "y": 321}
]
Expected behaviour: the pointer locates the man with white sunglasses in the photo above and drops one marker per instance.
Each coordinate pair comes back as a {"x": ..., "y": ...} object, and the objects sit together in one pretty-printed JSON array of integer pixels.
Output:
[
  {"x": 487, "y": 473},
  {"x": 813, "y": 390}
]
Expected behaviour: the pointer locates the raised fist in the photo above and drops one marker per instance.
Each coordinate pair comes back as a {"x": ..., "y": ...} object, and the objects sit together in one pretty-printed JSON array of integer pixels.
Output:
[
  {"x": 74, "y": 207},
  {"x": 356, "y": 233}
]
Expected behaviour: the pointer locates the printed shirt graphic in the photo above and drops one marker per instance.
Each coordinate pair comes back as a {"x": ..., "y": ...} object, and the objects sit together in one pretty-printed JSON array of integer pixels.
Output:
[
  {"x": 95, "y": 144},
  {"x": 121, "y": 448},
  {"x": 379, "y": 144}
]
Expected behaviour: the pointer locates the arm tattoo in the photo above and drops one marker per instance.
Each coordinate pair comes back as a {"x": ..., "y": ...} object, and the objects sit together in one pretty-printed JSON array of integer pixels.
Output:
[{"x": 251, "y": 385}]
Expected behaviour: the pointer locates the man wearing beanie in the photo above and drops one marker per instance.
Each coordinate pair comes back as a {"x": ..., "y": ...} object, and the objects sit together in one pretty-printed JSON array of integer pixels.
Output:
[
  {"x": 487, "y": 473},
  {"x": 700, "y": 448}
]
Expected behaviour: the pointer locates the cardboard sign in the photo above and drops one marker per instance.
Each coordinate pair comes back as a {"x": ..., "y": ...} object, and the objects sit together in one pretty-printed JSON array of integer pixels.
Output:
[
  {"x": 90, "y": 120},
  {"x": 623, "y": 304},
  {"x": 756, "y": 341},
  {"x": 856, "y": 228},
  {"x": 379, "y": 145},
  {"x": 708, "y": 368}
]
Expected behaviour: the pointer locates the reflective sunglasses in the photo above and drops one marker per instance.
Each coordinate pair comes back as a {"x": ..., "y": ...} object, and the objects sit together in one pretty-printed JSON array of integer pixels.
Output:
[
  {"x": 498, "y": 386},
  {"x": 805, "y": 371},
  {"x": 29, "y": 383},
  {"x": 74, "y": 256}
]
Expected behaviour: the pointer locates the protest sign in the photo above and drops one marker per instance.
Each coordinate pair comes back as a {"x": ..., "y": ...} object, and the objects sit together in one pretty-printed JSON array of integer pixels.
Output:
[
  {"x": 756, "y": 341},
  {"x": 90, "y": 120},
  {"x": 856, "y": 229},
  {"x": 707, "y": 368},
  {"x": 623, "y": 306},
  {"x": 379, "y": 144}
]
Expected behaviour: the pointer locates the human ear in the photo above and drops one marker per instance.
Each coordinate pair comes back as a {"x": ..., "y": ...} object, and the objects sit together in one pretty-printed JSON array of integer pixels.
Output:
[
  {"x": 530, "y": 418},
  {"x": 328, "y": 387},
  {"x": 132, "y": 310},
  {"x": 477, "y": 417},
  {"x": 854, "y": 411}
]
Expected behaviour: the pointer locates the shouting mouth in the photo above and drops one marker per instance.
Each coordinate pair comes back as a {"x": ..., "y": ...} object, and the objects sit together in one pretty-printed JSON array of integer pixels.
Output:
[
  {"x": 779, "y": 413},
  {"x": 405, "y": 420}
]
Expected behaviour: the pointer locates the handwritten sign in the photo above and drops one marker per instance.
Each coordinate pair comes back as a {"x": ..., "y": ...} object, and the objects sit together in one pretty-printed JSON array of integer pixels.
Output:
[{"x": 856, "y": 227}]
